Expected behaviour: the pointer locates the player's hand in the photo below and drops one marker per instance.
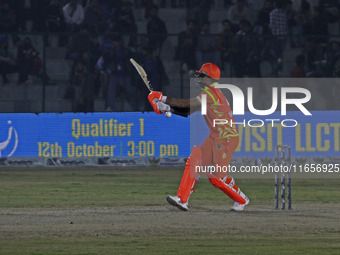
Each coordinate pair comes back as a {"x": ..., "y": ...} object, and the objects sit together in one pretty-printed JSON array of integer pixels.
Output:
[
  {"x": 155, "y": 96},
  {"x": 160, "y": 107},
  {"x": 155, "y": 107}
]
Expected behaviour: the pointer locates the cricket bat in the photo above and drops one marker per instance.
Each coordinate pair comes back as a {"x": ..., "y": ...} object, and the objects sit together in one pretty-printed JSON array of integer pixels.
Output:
[
  {"x": 142, "y": 74},
  {"x": 144, "y": 77}
]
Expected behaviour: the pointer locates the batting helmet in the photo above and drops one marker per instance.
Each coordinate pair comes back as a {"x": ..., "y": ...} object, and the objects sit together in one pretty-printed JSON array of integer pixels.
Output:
[{"x": 211, "y": 70}]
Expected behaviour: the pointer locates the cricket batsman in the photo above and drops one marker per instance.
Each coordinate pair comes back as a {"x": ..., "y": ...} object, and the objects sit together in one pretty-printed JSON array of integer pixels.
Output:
[{"x": 218, "y": 147}]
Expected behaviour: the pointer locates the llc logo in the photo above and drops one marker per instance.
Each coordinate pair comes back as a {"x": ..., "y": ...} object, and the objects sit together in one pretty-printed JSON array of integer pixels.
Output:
[{"x": 8, "y": 140}]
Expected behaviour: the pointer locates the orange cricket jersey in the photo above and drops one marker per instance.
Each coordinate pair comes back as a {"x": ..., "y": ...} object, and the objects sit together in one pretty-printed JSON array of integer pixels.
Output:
[{"x": 218, "y": 108}]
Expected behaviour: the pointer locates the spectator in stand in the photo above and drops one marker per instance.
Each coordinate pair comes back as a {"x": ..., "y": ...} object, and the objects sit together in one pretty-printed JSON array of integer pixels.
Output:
[
  {"x": 195, "y": 15},
  {"x": 83, "y": 74},
  {"x": 126, "y": 22},
  {"x": 321, "y": 19},
  {"x": 301, "y": 5},
  {"x": 299, "y": 71},
  {"x": 95, "y": 18},
  {"x": 187, "y": 44},
  {"x": 25, "y": 55},
  {"x": 73, "y": 14},
  {"x": 54, "y": 21},
  {"x": 95, "y": 52},
  {"x": 332, "y": 8},
  {"x": 199, "y": 10},
  {"x": 263, "y": 18},
  {"x": 334, "y": 59},
  {"x": 37, "y": 14},
  {"x": 154, "y": 67},
  {"x": 238, "y": 12},
  {"x": 79, "y": 78},
  {"x": 278, "y": 25},
  {"x": 304, "y": 18},
  {"x": 28, "y": 60},
  {"x": 107, "y": 7},
  {"x": 248, "y": 52},
  {"x": 317, "y": 32},
  {"x": 156, "y": 29},
  {"x": 303, "y": 9},
  {"x": 226, "y": 41},
  {"x": 334, "y": 69},
  {"x": 7, "y": 62},
  {"x": 7, "y": 17},
  {"x": 113, "y": 63},
  {"x": 148, "y": 4},
  {"x": 18, "y": 6},
  {"x": 78, "y": 42},
  {"x": 299, "y": 15},
  {"x": 261, "y": 27},
  {"x": 294, "y": 26},
  {"x": 206, "y": 48}
]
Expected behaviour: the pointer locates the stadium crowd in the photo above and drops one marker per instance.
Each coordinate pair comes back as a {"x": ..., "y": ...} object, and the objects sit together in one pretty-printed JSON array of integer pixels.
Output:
[{"x": 100, "y": 53}]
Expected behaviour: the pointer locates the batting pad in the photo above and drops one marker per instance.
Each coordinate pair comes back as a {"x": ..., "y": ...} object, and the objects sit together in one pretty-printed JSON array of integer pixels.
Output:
[
  {"x": 189, "y": 175},
  {"x": 218, "y": 183}
]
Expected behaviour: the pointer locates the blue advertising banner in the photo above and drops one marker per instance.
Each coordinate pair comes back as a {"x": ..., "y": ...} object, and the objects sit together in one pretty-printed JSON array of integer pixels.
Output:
[
  {"x": 315, "y": 135},
  {"x": 151, "y": 135},
  {"x": 93, "y": 135}
]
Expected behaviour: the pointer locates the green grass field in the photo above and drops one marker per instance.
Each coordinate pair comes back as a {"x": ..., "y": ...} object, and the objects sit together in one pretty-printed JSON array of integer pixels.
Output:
[{"x": 123, "y": 211}]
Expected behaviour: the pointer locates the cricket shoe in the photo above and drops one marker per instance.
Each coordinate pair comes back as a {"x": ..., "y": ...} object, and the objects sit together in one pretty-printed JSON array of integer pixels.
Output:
[
  {"x": 176, "y": 201},
  {"x": 237, "y": 207}
]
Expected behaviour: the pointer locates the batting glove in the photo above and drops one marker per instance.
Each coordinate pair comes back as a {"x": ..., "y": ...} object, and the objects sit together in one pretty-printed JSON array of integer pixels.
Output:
[
  {"x": 162, "y": 107},
  {"x": 155, "y": 107},
  {"x": 156, "y": 96}
]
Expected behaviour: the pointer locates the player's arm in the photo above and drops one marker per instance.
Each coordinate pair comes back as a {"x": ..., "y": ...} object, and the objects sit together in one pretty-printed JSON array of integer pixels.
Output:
[
  {"x": 179, "y": 106},
  {"x": 183, "y": 107}
]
